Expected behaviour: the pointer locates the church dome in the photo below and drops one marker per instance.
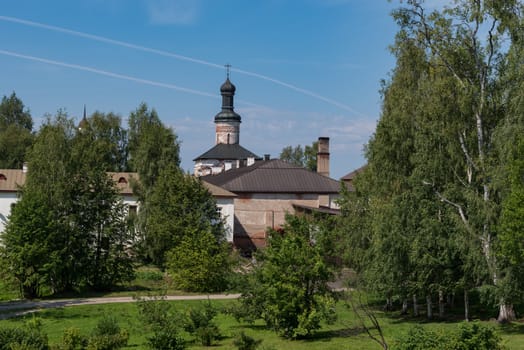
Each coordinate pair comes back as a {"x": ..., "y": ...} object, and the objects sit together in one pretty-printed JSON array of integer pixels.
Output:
[{"x": 227, "y": 87}]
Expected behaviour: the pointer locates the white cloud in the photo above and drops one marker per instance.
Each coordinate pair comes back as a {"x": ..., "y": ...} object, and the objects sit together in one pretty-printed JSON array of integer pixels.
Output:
[{"x": 173, "y": 11}]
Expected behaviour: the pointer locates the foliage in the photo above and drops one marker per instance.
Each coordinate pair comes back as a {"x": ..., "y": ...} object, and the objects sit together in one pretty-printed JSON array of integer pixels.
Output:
[
  {"x": 107, "y": 335},
  {"x": 108, "y": 139},
  {"x": 245, "y": 342},
  {"x": 180, "y": 208},
  {"x": 164, "y": 322},
  {"x": 199, "y": 263},
  {"x": 199, "y": 321},
  {"x": 305, "y": 157},
  {"x": 424, "y": 218},
  {"x": 31, "y": 222},
  {"x": 68, "y": 229},
  {"x": 288, "y": 287},
  {"x": 16, "y": 125},
  {"x": 469, "y": 336},
  {"x": 28, "y": 336},
  {"x": 72, "y": 340},
  {"x": 152, "y": 146}
]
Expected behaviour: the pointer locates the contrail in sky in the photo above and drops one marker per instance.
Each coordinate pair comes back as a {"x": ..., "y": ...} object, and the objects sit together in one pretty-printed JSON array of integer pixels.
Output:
[
  {"x": 173, "y": 55},
  {"x": 115, "y": 75}
]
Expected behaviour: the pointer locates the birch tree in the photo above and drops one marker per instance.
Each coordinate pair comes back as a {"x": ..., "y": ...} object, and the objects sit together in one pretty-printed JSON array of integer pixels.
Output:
[{"x": 466, "y": 43}]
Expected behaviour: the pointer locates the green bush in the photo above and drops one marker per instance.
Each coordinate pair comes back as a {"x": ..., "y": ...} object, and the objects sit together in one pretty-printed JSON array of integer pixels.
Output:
[
  {"x": 199, "y": 322},
  {"x": 470, "y": 336},
  {"x": 245, "y": 342},
  {"x": 418, "y": 338},
  {"x": 166, "y": 338},
  {"x": 107, "y": 335},
  {"x": 29, "y": 336},
  {"x": 475, "y": 336},
  {"x": 163, "y": 322},
  {"x": 200, "y": 263},
  {"x": 72, "y": 340}
]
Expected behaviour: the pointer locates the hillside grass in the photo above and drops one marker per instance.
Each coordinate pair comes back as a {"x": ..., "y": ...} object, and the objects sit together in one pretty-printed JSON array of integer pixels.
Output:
[{"x": 346, "y": 333}]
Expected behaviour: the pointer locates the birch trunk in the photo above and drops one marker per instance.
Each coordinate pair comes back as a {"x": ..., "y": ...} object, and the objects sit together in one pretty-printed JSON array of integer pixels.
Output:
[
  {"x": 429, "y": 307},
  {"x": 441, "y": 304},
  {"x": 506, "y": 312},
  {"x": 466, "y": 305},
  {"x": 415, "y": 306},
  {"x": 404, "y": 310}
]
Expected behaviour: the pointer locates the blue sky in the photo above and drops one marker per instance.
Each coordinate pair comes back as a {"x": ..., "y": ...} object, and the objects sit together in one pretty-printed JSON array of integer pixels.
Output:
[{"x": 302, "y": 68}]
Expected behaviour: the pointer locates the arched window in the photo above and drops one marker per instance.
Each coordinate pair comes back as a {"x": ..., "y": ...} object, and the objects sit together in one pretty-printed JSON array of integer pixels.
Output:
[
  {"x": 122, "y": 180},
  {"x": 3, "y": 177}
]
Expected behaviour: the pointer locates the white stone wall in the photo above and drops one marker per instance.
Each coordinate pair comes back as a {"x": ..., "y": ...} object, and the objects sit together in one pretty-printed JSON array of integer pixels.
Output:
[
  {"x": 227, "y": 211},
  {"x": 7, "y": 199}
]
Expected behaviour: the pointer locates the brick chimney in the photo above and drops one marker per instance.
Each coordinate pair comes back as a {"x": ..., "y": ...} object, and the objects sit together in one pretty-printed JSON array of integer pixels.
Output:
[{"x": 323, "y": 156}]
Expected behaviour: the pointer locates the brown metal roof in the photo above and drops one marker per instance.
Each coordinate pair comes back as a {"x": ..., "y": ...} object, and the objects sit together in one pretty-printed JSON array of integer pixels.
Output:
[
  {"x": 349, "y": 177},
  {"x": 273, "y": 176},
  {"x": 217, "y": 191},
  {"x": 11, "y": 179},
  {"x": 224, "y": 151}
]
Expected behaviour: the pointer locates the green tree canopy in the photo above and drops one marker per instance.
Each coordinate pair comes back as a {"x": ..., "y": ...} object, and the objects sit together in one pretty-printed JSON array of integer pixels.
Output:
[
  {"x": 305, "y": 157},
  {"x": 288, "y": 288},
  {"x": 15, "y": 132}
]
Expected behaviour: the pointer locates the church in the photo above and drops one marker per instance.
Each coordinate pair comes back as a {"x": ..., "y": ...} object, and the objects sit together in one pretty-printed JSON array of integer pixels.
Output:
[
  {"x": 264, "y": 189},
  {"x": 227, "y": 153}
]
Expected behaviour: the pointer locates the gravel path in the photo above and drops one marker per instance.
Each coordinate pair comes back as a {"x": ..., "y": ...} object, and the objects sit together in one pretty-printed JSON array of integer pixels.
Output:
[{"x": 18, "y": 308}]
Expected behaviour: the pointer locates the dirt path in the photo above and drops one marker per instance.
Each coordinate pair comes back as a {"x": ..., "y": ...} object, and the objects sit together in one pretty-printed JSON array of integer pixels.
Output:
[{"x": 18, "y": 308}]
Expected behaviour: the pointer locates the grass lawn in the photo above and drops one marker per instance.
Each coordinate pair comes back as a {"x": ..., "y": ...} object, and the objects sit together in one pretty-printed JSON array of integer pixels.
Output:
[{"x": 346, "y": 333}]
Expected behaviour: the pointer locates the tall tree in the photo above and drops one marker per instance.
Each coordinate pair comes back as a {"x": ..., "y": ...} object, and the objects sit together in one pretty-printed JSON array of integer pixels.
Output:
[
  {"x": 305, "y": 157},
  {"x": 152, "y": 148},
  {"x": 108, "y": 140},
  {"x": 470, "y": 66},
  {"x": 180, "y": 207},
  {"x": 15, "y": 132},
  {"x": 70, "y": 224},
  {"x": 288, "y": 288}
]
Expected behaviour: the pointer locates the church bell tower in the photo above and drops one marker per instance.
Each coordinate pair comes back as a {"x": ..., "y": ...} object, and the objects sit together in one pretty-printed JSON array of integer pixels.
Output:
[{"x": 227, "y": 121}]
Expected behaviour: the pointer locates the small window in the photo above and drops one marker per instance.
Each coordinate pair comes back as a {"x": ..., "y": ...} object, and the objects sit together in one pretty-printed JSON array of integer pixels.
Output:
[
  {"x": 2, "y": 177},
  {"x": 122, "y": 180}
]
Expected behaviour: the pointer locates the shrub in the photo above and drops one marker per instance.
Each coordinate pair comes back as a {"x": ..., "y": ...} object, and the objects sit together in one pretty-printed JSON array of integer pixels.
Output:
[
  {"x": 29, "y": 336},
  {"x": 200, "y": 263},
  {"x": 419, "y": 338},
  {"x": 199, "y": 321},
  {"x": 476, "y": 336},
  {"x": 107, "y": 335},
  {"x": 72, "y": 340},
  {"x": 166, "y": 338},
  {"x": 470, "y": 336},
  {"x": 245, "y": 342},
  {"x": 163, "y": 321},
  {"x": 288, "y": 287}
]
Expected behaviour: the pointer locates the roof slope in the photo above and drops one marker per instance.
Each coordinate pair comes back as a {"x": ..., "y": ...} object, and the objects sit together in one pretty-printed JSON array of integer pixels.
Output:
[
  {"x": 217, "y": 191},
  {"x": 11, "y": 179},
  {"x": 273, "y": 176},
  {"x": 351, "y": 175},
  {"x": 224, "y": 151}
]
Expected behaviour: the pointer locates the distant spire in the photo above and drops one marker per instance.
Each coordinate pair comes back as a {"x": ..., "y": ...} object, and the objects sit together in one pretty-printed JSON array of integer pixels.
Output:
[{"x": 83, "y": 123}]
